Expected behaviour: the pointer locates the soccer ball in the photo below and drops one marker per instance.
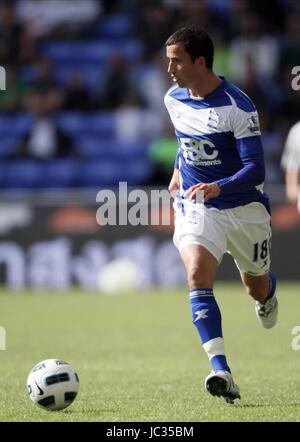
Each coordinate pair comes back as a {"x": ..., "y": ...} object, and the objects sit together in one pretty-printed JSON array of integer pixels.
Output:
[{"x": 52, "y": 384}]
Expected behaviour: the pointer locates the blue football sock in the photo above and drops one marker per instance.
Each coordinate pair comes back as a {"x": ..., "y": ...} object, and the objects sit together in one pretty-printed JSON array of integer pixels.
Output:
[
  {"x": 272, "y": 286},
  {"x": 207, "y": 319}
]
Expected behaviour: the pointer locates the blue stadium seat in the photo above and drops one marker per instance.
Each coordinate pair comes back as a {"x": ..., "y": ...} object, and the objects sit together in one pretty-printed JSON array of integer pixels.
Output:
[
  {"x": 26, "y": 174},
  {"x": 28, "y": 73},
  {"x": 132, "y": 148},
  {"x": 100, "y": 123},
  {"x": 139, "y": 172},
  {"x": 92, "y": 76},
  {"x": 15, "y": 124},
  {"x": 115, "y": 26},
  {"x": 92, "y": 51},
  {"x": 109, "y": 173},
  {"x": 66, "y": 173},
  {"x": 60, "y": 173},
  {"x": 71, "y": 122},
  {"x": 97, "y": 146},
  {"x": 20, "y": 174},
  {"x": 8, "y": 144},
  {"x": 101, "y": 173}
]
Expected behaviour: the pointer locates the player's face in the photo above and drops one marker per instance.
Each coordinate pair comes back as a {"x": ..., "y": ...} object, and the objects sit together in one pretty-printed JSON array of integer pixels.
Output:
[{"x": 181, "y": 67}]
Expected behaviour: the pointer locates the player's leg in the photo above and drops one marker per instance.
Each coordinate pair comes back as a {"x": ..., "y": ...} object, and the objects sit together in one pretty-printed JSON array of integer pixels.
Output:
[
  {"x": 256, "y": 286},
  {"x": 200, "y": 267},
  {"x": 263, "y": 290},
  {"x": 249, "y": 242}
]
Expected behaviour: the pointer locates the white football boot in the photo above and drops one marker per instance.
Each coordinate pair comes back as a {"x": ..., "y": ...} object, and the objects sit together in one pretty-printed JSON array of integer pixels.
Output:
[
  {"x": 267, "y": 313},
  {"x": 220, "y": 383}
]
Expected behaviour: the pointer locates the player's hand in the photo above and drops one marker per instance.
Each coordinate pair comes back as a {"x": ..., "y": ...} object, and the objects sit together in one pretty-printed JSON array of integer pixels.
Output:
[{"x": 210, "y": 190}]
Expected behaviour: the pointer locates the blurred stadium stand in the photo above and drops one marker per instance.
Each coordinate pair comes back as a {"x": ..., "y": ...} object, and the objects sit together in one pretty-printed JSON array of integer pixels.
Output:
[
  {"x": 119, "y": 64},
  {"x": 94, "y": 72}
]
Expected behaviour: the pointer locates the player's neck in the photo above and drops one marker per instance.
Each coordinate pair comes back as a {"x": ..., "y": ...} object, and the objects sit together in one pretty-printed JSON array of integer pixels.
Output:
[{"x": 205, "y": 85}]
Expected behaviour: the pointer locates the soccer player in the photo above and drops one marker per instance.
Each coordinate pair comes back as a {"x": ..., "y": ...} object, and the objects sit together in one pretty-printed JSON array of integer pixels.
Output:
[
  {"x": 220, "y": 154},
  {"x": 290, "y": 162}
]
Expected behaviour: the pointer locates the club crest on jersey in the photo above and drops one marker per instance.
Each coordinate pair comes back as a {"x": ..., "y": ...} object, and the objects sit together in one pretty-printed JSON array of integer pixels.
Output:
[{"x": 253, "y": 124}]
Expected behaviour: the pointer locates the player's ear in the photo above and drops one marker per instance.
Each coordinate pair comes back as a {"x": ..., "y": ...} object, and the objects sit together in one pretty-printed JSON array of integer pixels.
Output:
[{"x": 200, "y": 62}]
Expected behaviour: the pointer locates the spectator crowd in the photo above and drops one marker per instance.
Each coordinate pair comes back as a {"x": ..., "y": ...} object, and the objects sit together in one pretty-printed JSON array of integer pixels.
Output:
[{"x": 85, "y": 81}]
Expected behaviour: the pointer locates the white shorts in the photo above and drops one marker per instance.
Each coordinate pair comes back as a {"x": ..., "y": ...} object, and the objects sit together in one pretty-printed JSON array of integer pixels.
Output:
[{"x": 244, "y": 232}]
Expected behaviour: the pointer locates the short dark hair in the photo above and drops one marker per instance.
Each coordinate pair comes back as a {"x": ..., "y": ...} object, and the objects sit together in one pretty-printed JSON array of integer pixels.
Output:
[{"x": 196, "y": 41}]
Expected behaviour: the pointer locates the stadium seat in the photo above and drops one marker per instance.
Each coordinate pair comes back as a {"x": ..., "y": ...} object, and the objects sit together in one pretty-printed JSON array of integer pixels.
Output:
[
  {"x": 60, "y": 173},
  {"x": 15, "y": 124},
  {"x": 115, "y": 27},
  {"x": 139, "y": 172},
  {"x": 95, "y": 146},
  {"x": 100, "y": 173},
  {"x": 92, "y": 51},
  {"x": 8, "y": 144},
  {"x": 20, "y": 174},
  {"x": 100, "y": 123},
  {"x": 110, "y": 173},
  {"x": 91, "y": 76}
]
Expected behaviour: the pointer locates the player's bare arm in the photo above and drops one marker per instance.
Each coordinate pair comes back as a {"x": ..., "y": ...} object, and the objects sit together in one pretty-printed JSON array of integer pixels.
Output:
[{"x": 174, "y": 183}]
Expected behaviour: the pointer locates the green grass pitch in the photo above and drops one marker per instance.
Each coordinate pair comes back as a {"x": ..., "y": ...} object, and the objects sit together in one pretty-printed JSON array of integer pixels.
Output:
[{"x": 139, "y": 358}]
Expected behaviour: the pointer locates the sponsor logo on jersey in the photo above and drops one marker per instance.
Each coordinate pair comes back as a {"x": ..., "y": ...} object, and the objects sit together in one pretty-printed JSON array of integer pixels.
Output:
[{"x": 199, "y": 152}]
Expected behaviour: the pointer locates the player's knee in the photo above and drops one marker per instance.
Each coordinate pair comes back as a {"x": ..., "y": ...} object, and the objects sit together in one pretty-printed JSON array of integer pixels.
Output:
[{"x": 197, "y": 278}]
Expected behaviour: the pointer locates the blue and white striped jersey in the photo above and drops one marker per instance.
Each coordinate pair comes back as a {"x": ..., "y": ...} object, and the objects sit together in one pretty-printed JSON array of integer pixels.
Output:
[{"x": 219, "y": 141}]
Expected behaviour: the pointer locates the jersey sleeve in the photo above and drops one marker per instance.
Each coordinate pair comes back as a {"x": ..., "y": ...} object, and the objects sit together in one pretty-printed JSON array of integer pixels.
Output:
[
  {"x": 244, "y": 121},
  {"x": 246, "y": 130}
]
